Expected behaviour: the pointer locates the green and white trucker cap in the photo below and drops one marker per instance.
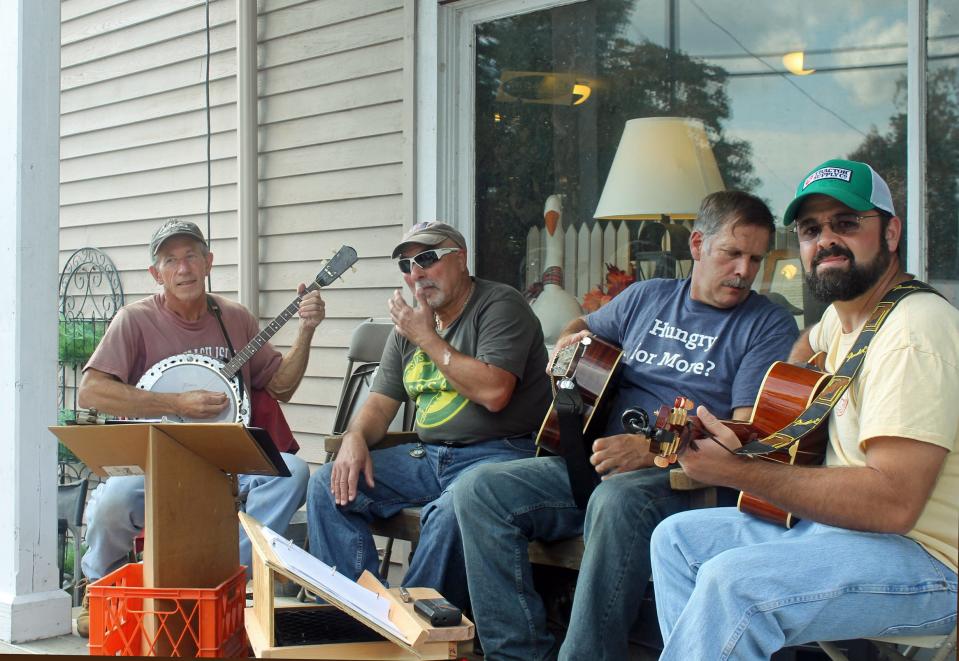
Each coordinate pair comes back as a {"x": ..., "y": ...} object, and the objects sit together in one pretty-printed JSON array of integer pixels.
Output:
[{"x": 853, "y": 183}]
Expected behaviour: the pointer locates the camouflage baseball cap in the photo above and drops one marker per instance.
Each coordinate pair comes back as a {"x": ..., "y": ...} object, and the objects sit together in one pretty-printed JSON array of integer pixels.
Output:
[{"x": 174, "y": 227}]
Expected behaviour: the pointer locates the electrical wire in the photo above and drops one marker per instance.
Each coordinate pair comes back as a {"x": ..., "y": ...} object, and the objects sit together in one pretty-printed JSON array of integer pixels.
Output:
[
  {"x": 209, "y": 156},
  {"x": 783, "y": 75}
]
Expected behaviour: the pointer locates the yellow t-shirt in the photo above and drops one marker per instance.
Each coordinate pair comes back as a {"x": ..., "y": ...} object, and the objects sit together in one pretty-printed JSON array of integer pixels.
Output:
[{"x": 907, "y": 386}]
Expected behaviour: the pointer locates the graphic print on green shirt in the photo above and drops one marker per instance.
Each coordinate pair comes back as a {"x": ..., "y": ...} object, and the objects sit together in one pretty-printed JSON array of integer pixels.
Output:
[{"x": 436, "y": 401}]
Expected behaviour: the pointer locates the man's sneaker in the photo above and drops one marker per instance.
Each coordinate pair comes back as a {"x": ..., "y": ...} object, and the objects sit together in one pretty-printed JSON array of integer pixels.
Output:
[{"x": 83, "y": 617}]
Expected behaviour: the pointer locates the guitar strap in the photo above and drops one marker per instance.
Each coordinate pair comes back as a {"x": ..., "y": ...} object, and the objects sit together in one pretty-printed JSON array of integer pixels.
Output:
[
  {"x": 818, "y": 411},
  {"x": 569, "y": 407},
  {"x": 214, "y": 309}
]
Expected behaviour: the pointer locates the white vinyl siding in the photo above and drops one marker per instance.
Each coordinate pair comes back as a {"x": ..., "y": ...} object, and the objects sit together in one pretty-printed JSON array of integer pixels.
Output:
[{"x": 334, "y": 87}]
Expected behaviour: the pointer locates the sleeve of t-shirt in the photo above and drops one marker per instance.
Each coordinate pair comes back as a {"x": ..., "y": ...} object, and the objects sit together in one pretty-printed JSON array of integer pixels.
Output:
[
  {"x": 118, "y": 349},
  {"x": 773, "y": 341},
  {"x": 505, "y": 329},
  {"x": 607, "y": 322},
  {"x": 388, "y": 379}
]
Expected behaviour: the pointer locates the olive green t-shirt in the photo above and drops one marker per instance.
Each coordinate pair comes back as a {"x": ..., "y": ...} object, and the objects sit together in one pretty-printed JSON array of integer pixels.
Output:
[{"x": 496, "y": 327}]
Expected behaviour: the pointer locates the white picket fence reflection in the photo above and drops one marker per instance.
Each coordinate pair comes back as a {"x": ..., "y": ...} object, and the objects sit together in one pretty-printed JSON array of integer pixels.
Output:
[{"x": 646, "y": 249}]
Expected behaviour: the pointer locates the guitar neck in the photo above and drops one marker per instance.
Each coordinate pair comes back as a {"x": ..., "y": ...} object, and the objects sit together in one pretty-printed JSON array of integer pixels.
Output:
[{"x": 261, "y": 338}]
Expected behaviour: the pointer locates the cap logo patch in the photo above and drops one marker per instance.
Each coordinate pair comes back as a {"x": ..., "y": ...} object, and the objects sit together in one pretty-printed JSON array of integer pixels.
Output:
[{"x": 828, "y": 173}]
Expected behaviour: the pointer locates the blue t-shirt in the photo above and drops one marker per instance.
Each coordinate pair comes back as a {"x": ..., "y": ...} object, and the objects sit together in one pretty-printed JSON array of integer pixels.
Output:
[{"x": 673, "y": 345}]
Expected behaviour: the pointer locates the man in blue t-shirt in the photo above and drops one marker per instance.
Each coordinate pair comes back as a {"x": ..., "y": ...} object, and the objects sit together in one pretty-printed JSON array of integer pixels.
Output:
[{"x": 708, "y": 337}]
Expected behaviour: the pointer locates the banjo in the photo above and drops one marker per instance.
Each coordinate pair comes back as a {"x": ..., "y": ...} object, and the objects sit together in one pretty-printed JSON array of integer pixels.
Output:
[{"x": 192, "y": 371}]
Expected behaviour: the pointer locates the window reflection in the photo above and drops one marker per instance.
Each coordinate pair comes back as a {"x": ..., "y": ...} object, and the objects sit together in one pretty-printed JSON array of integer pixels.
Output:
[
  {"x": 555, "y": 88},
  {"x": 942, "y": 146}
]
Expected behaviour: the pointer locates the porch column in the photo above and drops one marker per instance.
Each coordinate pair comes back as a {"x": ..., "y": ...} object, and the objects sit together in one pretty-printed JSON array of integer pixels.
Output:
[{"x": 31, "y": 604}]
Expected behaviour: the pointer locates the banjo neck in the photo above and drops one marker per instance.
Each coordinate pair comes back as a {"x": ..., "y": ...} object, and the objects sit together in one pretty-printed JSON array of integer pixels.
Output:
[
  {"x": 243, "y": 355},
  {"x": 342, "y": 260}
]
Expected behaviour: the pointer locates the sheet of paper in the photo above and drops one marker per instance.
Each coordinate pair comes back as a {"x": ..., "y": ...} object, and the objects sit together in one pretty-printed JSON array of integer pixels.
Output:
[{"x": 336, "y": 584}]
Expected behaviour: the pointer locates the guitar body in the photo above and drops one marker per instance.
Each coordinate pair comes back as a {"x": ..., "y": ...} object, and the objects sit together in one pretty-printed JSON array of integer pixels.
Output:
[
  {"x": 785, "y": 392},
  {"x": 592, "y": 364}
]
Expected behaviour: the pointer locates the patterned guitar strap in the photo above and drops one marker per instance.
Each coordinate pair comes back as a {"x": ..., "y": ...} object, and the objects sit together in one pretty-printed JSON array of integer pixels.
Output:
[{"x": 817, "y": 412}]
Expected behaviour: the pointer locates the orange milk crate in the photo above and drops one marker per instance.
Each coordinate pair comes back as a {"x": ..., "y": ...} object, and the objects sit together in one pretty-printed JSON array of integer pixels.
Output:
[{"x": 127, "y": 619}]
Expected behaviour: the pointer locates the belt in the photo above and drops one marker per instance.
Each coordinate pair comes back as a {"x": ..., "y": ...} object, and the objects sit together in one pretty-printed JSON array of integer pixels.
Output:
[{"x": 461, "y": 444}]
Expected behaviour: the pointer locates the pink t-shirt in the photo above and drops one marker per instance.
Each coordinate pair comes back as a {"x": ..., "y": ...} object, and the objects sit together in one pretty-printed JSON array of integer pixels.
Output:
[{"x": 144, "y": 333}]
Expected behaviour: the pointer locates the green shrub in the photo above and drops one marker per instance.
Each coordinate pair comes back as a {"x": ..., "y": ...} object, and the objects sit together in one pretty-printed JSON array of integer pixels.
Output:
[{"x": 78, "y": 338}]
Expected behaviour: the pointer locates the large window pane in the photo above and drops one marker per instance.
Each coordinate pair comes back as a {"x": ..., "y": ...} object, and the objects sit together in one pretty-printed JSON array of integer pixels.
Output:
[
  {"x": 942, "y": 146},
  {"x": 554, "y": 89}
]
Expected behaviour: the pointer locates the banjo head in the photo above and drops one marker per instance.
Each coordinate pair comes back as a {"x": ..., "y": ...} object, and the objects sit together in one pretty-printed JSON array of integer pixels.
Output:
[{"x": 190, "y": 371}]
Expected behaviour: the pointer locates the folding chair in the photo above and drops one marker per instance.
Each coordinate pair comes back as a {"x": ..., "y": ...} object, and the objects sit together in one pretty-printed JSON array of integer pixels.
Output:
[
  {"x": 363, "y": 357},
  {"x": 944, "y": 646},
  {"x": 71, "y": 501}
]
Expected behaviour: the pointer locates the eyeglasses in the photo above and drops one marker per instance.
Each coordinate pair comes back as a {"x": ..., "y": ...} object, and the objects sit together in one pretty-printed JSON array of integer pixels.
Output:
[
  {"x": 425, "y": 259},
  {"x": 843, "y": 224}
]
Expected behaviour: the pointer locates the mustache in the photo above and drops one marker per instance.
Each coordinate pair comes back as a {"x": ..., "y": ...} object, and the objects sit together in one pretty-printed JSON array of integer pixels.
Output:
[
  {"x": 832, "y": 251},
  {"x": 425, "y": 282},
  {"x": 738, "y": 283}
]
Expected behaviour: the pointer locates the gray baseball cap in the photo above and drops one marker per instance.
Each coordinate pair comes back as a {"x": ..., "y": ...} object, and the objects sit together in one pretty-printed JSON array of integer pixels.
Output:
[
  {"x": 429, "y": 234},
  {"x": 174, "y": 227}
]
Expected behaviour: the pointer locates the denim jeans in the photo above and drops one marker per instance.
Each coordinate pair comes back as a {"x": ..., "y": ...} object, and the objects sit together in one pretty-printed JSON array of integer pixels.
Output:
[
  {"x": 115, "y": 514},
  {"x": 340, "y": 535},
  {"x": 729, "y": 586},
  {"x": 501, "y": 508}
]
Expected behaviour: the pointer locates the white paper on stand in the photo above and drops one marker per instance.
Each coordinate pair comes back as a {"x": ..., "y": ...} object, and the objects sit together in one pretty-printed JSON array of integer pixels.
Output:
[{"x": 336, "y": 584}]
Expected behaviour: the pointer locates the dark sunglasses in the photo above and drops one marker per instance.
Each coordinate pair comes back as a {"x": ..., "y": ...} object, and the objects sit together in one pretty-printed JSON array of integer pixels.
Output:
[{"x": 425, "y": 259}]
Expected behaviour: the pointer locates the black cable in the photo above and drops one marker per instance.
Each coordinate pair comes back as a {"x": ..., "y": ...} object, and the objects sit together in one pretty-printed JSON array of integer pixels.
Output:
[{"x": 209, "y": 156}]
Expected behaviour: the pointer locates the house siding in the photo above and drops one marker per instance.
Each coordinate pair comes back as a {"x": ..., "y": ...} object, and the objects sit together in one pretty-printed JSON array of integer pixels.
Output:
[{"x": 335, "y": 104}]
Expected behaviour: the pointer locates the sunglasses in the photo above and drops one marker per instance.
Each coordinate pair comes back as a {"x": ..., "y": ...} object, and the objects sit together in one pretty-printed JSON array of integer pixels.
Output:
[
  {"x": 843, "y": 224},
  {"x": 425, "y": 259}
]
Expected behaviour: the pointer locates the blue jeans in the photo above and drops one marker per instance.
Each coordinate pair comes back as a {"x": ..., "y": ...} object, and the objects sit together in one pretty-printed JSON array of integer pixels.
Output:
[
  {"x": 501, "y": 508},
  {"x": 115, "y": 514},
  {"x": 340, "y": 535},
  {"x": 729, "y": 586}
]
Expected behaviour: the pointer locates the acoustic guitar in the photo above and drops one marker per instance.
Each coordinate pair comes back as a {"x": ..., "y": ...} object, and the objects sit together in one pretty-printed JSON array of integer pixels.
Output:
[
  {"x": 591, "y": 366},
  {"x": 785, "y": 392}
]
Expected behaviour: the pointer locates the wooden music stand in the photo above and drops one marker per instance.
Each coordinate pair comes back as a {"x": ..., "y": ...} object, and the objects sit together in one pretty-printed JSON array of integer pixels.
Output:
[
  {"x": 191, "y": 535},
  {"x": 413, "y": 639}
]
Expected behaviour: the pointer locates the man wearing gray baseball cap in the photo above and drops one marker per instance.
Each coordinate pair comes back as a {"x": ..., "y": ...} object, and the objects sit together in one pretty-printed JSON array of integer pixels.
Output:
[
  {"x": 472, "y": 357},
  {"x": 183, "y": 318}
]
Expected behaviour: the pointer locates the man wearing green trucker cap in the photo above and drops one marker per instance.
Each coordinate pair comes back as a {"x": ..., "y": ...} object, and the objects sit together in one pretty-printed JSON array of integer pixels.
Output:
[{"x": 875, "y": 551}]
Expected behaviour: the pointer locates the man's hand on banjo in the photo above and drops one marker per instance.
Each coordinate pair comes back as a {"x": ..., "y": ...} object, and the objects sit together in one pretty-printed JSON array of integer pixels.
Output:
[
  {"x": 312, "y": 308},
  {"x": 200, "y": 403}
]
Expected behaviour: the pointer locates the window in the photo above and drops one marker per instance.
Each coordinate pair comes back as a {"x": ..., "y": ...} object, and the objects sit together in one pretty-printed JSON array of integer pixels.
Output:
[
  {"x": 778, "y": 91},
  {"x": 942, "y": 146}
]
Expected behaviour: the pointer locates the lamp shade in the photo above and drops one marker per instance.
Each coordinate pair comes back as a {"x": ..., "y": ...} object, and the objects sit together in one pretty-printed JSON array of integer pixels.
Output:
[{"x": 663, "y": 166}]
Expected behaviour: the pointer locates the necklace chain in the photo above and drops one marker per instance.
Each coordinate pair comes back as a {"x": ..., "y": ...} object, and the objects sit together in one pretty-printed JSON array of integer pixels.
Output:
[{"x": 436, "y": 318}]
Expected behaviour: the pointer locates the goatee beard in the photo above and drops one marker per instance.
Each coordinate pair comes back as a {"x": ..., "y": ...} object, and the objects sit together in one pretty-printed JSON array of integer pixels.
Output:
[{"x": 845, "y": 284}]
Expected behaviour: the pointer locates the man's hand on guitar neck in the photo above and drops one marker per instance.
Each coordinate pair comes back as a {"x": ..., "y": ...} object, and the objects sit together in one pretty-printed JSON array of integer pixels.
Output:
[
  {"x": 620, "y": 454},
  {"x": 563, "y": 342},
  {"x": 709, "y": 463}
]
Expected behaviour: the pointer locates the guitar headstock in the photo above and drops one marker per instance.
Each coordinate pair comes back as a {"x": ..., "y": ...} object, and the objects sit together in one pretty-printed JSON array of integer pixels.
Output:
[
  {"x": 344, "y": 258},
  {"x": 676, "y": 431}
]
